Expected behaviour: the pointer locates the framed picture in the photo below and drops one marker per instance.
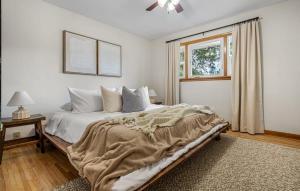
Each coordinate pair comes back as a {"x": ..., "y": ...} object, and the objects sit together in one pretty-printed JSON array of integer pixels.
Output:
[
  {"x": 109, "y": 59},
  {"x": 79, "y": 54}
]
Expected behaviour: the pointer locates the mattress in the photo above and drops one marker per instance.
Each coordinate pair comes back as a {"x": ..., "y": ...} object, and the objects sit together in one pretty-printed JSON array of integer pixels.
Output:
[{"x": 70, "y": 126}]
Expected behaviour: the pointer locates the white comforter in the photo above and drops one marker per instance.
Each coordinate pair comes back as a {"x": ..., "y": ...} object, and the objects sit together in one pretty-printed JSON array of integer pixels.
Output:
[{"x": 69, "y": 127}]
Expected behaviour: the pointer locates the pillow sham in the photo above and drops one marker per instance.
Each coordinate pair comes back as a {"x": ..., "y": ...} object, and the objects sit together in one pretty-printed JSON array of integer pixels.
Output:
[
  {"x": 146, "y": 95},
  {"x": 66, "y": 107},
  {"x": 112, "y": 100},
  {"x": 133, "y": 101},
  {"x": 85, "y": 101}
]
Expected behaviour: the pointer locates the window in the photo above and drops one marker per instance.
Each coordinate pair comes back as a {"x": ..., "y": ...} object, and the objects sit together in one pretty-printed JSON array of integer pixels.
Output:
[
  {"x": 181, "y": 63},
  {"x": 206, "y": 59}
]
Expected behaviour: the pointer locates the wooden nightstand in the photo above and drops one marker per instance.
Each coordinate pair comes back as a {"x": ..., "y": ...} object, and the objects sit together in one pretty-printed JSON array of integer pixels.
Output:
[
  {"x": 158, "y": 103},
  {"x": 35, "y": 120}
]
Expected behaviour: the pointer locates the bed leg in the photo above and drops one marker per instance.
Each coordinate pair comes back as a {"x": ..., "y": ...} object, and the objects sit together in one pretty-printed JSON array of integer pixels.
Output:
[{"x": 218, "y": 138}]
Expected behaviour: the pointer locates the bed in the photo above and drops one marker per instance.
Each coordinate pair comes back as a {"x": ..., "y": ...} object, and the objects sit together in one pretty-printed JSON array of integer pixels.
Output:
[{"x": 65, "y": 128}]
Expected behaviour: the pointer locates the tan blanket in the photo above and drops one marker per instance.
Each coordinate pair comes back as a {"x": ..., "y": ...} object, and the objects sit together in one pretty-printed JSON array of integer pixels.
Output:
[
  {"x": 148, "y": 122},
  {"x": 112, "y": 148}
]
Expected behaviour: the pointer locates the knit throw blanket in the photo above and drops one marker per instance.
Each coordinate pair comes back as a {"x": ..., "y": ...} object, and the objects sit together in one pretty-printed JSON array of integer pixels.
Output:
[{"x": 148, "y": 122}]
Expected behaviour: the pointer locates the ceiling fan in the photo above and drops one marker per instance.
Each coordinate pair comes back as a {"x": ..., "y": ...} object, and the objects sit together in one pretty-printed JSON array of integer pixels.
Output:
[{"x": 170, "y": 4}]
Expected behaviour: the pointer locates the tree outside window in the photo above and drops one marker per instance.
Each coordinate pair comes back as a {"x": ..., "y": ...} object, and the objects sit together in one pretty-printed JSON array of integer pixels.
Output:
[
  {"x": 207, "y": 61},
  {"x": 207, "y": 58}
]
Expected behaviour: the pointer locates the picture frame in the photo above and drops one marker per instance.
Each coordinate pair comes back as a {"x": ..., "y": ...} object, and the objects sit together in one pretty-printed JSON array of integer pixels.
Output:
[
  {"x": 109, "y": 59},
  {"x": 79, "y": 54}
]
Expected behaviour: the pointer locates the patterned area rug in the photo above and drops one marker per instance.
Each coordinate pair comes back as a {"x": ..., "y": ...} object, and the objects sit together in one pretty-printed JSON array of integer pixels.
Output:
[{"x": 230, "y": 164}]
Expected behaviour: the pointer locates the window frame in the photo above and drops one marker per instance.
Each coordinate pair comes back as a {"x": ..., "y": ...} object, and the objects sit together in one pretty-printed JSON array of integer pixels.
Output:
[{"x": 225, "y": 76}]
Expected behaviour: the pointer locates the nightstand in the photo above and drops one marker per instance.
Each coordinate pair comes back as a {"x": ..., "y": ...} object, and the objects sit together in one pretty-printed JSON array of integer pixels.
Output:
[
  {"x": 158, "y": 103},
  {"x": 35, "y": 120}
]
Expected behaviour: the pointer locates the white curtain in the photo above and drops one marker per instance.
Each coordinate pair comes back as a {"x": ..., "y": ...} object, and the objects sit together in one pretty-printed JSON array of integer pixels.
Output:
[
  {"x": 172, "y": 74},
  {"x": 247, "y": 79}
]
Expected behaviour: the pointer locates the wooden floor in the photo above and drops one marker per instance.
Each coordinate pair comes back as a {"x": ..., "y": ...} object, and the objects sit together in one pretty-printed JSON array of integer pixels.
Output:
[
  {"x": 25, "y": 168},
  {"x": 289, "y": 142}
]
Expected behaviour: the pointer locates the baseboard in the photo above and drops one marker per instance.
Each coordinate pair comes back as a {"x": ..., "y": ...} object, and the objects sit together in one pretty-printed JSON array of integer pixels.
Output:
[{"x": 282, "y": 134}]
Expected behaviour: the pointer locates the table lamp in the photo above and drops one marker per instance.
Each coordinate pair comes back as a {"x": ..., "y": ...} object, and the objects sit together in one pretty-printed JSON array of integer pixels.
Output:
[
  {"x": 152, "y": 95},
  {"x": 20, "y": 98}
]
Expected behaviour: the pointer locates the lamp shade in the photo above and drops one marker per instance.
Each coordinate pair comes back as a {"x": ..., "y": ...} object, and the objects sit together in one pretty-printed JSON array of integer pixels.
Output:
[
  {"x": 20, "y": 98},
  {"x": 152, "y": 93}
]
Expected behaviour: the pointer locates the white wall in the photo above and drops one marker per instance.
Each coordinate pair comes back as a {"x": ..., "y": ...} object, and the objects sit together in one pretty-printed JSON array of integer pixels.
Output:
[
  {"x": 32, "y": 60},
  {"x": 281, "y": 68},
  {"x": 32, "y": 55}
]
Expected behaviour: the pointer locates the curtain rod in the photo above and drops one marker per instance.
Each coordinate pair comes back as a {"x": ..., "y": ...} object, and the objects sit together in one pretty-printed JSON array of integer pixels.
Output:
[{"x": 255, "y": 18}]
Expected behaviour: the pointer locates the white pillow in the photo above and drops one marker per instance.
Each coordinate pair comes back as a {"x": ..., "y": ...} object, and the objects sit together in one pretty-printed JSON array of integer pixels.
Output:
[
  {"x": 112, "y": 100},
  {"x": 146, "y": 96},
  {"x": 85, "y": 101},
  {"x": 66, "y": 107}
]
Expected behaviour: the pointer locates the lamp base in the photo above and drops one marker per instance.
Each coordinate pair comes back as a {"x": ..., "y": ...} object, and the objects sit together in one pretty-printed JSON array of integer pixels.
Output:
[
  {"x": 152, "y": 100},
  {"x": 21, "y": 113}
]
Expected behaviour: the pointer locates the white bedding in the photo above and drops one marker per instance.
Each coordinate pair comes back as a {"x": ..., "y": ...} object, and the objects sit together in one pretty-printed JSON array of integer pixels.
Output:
[{"x": 70, "y": 126}]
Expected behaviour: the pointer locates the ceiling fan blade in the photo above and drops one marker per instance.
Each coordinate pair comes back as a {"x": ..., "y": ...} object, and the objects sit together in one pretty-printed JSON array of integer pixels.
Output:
[
  {"x": 152, "y": 6},
  {"x": 178, "y": 8}
]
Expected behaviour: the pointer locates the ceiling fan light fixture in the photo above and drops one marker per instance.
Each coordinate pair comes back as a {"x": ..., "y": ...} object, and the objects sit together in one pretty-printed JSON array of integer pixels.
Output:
[
  {"x": 171, "y": 7},
  {"x": 162, "y": 3},
  {"x": 169, "y": 4},
  {"x": 175, "y": 2}
]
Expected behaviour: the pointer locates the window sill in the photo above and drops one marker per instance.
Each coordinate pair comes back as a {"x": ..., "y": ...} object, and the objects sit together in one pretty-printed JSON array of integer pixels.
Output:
[{"x": 205, "y": 79}]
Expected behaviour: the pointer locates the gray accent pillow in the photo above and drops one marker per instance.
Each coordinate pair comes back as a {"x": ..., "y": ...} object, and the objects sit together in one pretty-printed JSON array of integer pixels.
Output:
[{"x": 133, "y": 101}]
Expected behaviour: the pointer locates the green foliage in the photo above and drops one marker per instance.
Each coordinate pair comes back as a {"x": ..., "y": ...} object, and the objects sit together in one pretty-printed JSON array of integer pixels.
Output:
[
  {"x": 181, "y": 74},
  {"x": 181, "y": 56},
  {"x": 181, "y": 63},
  {"x": 206, "y": 61}
]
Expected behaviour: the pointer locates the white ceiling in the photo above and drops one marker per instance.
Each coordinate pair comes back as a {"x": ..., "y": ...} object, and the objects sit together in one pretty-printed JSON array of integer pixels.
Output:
[{"x": 130, "y": 15}]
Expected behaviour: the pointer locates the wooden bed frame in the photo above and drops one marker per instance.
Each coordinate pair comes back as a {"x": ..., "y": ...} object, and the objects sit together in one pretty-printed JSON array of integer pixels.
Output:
[{"x": 62, "y": 146}]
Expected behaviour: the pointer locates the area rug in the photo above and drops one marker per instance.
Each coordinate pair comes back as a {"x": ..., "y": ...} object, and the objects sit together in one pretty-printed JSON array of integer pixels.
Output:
[{"x": 228, "y": 164}]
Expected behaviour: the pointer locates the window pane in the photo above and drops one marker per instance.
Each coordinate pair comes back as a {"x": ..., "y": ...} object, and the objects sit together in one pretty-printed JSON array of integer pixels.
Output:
[
  {"x": 181, "y": 62},
  {"x": 229, "y": 55},
  {"x": 207, "y": 59}
]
